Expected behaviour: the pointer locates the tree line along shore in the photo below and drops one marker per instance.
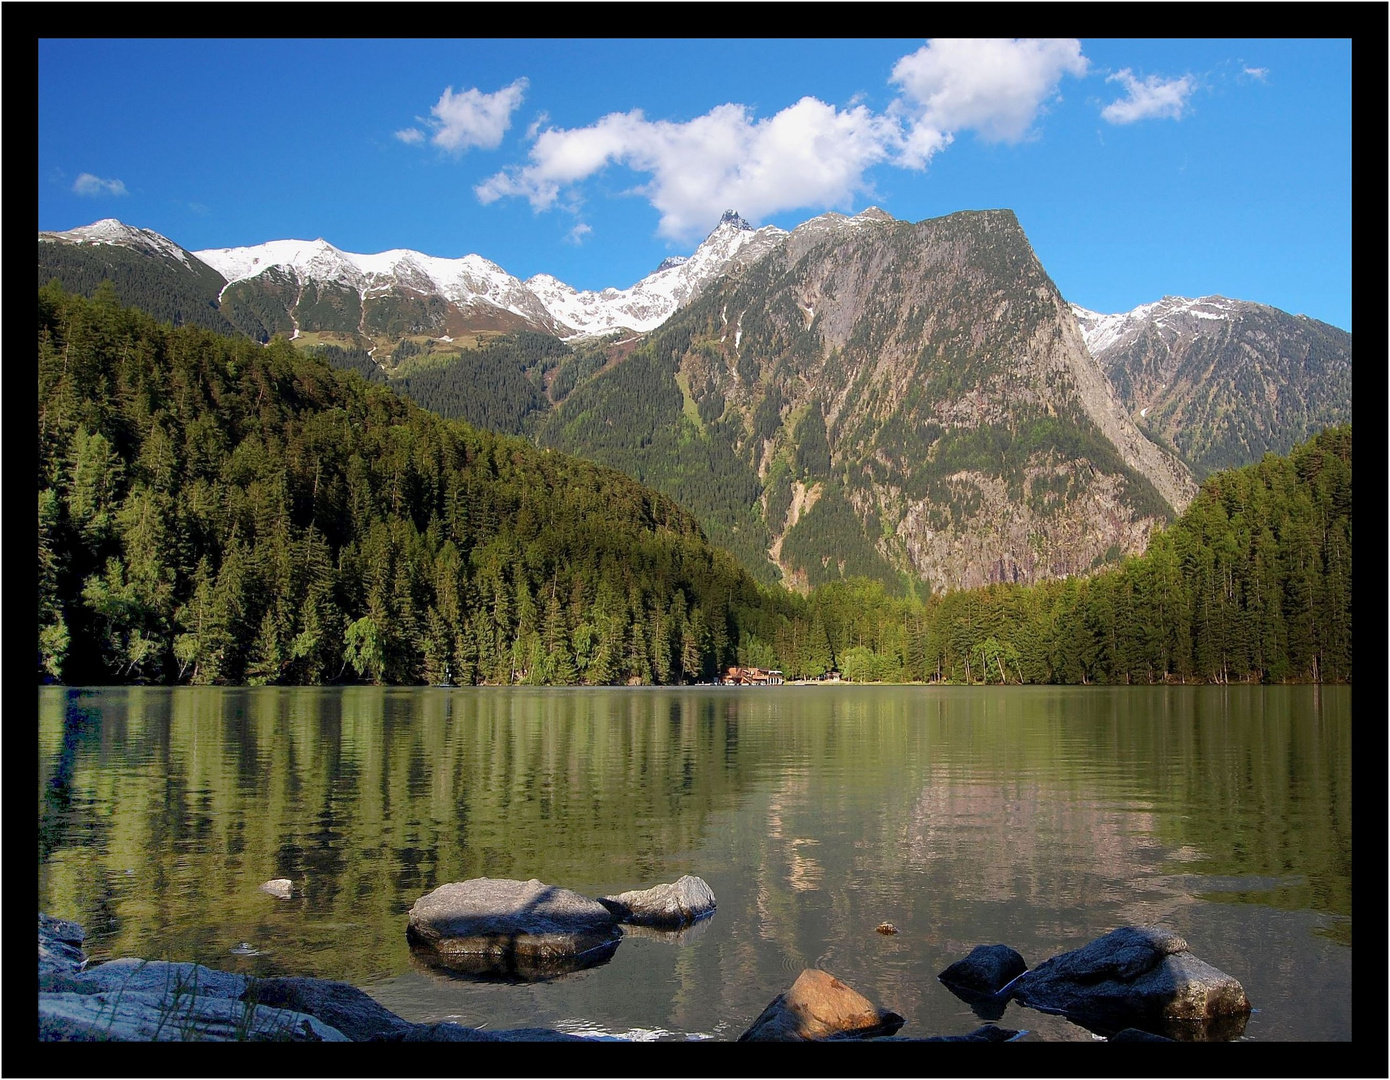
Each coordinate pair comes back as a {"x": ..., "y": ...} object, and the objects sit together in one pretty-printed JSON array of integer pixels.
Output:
[{"x": 214, "y": 511}]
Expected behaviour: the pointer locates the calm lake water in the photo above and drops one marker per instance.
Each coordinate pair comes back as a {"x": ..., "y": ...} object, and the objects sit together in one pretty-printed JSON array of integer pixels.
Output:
[{"x": 1038, "y": 817}]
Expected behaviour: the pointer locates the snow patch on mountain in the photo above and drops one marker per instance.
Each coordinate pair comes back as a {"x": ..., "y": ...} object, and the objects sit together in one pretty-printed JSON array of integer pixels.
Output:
[
  {"x": 111, "y": 231},
  {"x": 543, "y": 300},
  {"x": 1172, "y": 316},
  {"x": 655, "y": 298}
]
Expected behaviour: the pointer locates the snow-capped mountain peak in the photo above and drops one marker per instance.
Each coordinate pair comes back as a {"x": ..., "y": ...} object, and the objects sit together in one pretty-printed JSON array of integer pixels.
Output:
[
  {"x": 111, "y": 231},
  {"x": 475, "y": 283},
  {"x": 651, "y": 301}
]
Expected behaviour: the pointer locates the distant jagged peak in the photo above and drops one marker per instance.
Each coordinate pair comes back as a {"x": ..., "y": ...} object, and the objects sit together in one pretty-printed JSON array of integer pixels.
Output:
[
  {"x": 731, "y": 217},
  {"x": 873, "y": 213},
  {"x": 671, "y": 262},
  {"x": 1171, "y": 315}
]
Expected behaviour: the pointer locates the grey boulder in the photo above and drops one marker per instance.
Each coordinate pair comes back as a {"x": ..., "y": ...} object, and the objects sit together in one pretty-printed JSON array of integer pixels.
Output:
[
  {"x": 1135, "y": 977},
  {"x": 502, "y": 928},
  {"x": 668, "y": 907},
  {"x": 158, "y": 977},
  {"x": 280, "y": 888},
  {"x": 158, "y": 1001},
  {"x": 140, "y": 1016}
]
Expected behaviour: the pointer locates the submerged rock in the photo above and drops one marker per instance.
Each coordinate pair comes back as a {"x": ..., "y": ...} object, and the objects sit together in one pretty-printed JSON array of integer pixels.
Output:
[
  {"x": 1137, "y": 977},
  {"x": 501, "y": 928},
  {"x": 987, "y": 970},
  {"x": 280, "y": 888},
  {"x": 819, "y": 1006},
  {"x": 664, "y": 906},
  {"x": 686, "y": 935},
  {"x": 504, "y": 965}
]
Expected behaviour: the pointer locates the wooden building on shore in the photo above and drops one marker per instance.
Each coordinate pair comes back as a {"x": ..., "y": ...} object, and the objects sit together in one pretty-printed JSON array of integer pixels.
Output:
[{"x": 752, "y": 676}]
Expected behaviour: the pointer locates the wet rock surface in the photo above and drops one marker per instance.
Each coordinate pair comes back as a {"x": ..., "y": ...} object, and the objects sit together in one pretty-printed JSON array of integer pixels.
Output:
[
  {"x": 820, "y": 1006},
  {"x": 987, "y": 970},
  {"x": 535, "y": 959},
  {"x": 502, "y": 928},
  {"x": 1137, "y": 977},
  {"x": 1133, "y": 984},
  {"x": 667, "y": 907},
  {"x": 133, "y": 1000}
]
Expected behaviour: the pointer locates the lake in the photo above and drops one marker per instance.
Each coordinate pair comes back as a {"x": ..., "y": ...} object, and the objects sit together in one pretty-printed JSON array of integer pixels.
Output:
[{"x": 1040, "y": 817}]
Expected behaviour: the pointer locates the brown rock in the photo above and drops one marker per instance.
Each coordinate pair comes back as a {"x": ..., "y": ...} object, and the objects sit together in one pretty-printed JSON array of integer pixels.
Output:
[{"x": 820, "y": 1006}]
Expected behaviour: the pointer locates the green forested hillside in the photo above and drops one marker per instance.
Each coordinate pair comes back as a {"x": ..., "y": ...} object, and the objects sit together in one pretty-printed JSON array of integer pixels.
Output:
[
  {"x": 214, "y": 510},
  {"x": 634, "y": 418},
  {"x": 169, "y": 290},
  {"x": 1253, "y": 584}
]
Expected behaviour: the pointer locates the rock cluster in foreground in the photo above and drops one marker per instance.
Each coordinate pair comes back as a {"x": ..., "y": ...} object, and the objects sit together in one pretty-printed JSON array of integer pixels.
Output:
[
  {"x": 529, "y": 931},
  {"x": 1127, "y": 984},
  {"x": 1141, "y": 978}
]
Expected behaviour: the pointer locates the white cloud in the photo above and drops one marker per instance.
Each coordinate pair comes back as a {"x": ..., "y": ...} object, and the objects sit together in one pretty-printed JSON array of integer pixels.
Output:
[
  {"x": 809, "y": 154},
  {"x": 1257, "y": 73},
  {"x": 1152, "y": 99},
  {"x": 88, "y": 184},
  {"x": 471, "y": 118},
  {"x": 993, "y": 86},
  {"x": 410, "y": 135},
  {"x": 577, "y": 234}
]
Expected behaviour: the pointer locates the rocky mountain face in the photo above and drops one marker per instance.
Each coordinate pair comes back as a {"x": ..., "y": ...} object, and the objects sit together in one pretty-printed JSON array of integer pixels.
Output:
[
  {"x": 901, "y": 401},
  {"x": 1222, "y": 381},
  {"x": 860, "y": 396}
]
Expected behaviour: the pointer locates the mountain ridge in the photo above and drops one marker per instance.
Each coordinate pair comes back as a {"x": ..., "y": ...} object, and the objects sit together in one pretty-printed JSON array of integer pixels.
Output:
[
  {"x": 1222, "y": 381},
  {"x": 920, "y": 391}
]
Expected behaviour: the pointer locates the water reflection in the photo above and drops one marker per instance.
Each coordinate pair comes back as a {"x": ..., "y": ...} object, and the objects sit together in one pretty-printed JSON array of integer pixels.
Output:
[{"x": 1039, "y": 817}]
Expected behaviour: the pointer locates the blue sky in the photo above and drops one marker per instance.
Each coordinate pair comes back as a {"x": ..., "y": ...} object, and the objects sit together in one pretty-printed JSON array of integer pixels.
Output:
[{"x": 1137, "y": 168}]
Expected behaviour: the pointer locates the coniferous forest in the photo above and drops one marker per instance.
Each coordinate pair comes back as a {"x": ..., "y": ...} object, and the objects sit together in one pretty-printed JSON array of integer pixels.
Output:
[{"x": 212, "y": 510}]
